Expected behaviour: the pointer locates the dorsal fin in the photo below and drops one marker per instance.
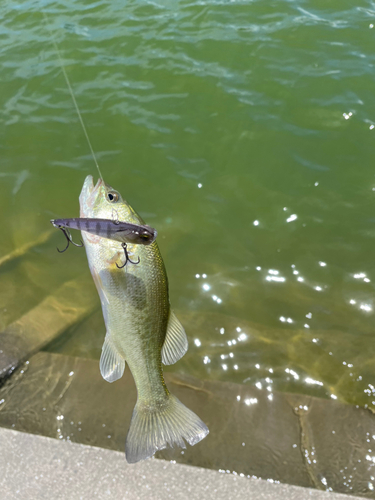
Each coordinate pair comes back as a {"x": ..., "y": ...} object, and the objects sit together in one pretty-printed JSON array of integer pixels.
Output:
[
  {"x": 112, "y": 365},
  {"x": 175, "y": 343}
]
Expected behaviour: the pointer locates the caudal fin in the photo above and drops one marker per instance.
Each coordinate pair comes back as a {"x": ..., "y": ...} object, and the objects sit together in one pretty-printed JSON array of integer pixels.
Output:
[{"x": 153, "y": 429}]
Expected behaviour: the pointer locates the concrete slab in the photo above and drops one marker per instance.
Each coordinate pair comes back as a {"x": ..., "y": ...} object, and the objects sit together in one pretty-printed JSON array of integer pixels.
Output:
[
  {"x": 36, "y": 467},
  {"x": 22, "y": 250},
  {"x": 72, "y": 302}
]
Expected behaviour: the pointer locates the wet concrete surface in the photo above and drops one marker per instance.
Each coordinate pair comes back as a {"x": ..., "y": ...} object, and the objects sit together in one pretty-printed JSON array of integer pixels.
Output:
[{"x": 35, "y": 467}]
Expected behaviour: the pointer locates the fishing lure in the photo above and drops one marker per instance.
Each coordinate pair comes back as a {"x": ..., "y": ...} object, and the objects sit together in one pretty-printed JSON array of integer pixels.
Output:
[{"x": 124, "y": 232}]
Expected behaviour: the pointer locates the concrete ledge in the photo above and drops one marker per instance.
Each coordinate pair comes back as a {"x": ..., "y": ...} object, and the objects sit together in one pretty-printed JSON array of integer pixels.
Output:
[
  {"x": 70, "y": 303},
  {"x": 36, "y": 467}
]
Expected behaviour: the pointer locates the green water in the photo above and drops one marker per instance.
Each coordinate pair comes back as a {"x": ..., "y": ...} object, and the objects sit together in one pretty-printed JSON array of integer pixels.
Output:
[{"x": 244, "y": 132}]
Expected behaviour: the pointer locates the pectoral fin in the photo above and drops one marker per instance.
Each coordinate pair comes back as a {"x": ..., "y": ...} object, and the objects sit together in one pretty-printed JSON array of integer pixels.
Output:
[
  {"x": 175, "y": 343},
  {"x": 99, "y": 284},
  {"x": 112, "y": 365},
  {"x": 115, "y": 257}
]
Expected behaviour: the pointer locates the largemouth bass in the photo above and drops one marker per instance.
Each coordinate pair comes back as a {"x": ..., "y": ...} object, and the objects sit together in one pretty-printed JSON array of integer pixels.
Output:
[
  {"x": 142, "y": 331},
  {"x": 117, "y": 230}
]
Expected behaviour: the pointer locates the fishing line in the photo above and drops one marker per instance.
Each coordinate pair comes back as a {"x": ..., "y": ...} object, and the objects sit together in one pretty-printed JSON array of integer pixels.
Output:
[{"x": 71, "y": 92}]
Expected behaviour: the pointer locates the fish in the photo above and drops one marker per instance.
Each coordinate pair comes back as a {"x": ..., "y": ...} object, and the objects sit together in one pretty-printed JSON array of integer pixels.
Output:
[
  {"x": 141, "y": 329},
  {"x": 113, "y": 229}
]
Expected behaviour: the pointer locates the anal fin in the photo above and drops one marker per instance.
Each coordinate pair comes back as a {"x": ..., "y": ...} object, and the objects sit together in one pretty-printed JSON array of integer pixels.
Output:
[
  {"x": 175, "y": 343},
  {"x": 112, "y": 365}
]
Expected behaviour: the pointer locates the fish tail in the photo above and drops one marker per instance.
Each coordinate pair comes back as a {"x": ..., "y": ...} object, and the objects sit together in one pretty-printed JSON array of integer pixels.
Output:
[{"x": 155, "y": 428}]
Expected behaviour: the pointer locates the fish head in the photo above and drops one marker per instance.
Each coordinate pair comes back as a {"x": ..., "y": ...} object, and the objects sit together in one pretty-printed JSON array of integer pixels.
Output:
[{"x": 101, "y": 201}]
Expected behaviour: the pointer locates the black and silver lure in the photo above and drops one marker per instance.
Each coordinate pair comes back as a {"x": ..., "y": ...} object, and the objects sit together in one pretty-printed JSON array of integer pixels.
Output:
[{"x": 116, "y": 230}]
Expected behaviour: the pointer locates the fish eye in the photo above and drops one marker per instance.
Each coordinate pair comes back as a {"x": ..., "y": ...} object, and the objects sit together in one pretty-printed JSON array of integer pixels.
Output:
[
  {"x": 144, "y": 236},
  {"x": 112, "y": 196}
]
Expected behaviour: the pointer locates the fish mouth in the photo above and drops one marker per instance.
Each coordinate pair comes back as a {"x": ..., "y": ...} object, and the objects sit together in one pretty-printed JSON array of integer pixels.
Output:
[
  {"x": 89, "y": 187},
  {"x": 97, "y": 185},
  {"x": 88, "y": 195},
  {"x": 89, "y": 191}
]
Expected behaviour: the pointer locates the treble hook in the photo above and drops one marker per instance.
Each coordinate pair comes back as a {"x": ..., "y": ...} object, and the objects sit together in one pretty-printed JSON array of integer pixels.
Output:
[
  {"x": 68, "y": 237},
  {"x": 127, "y": 258}
]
